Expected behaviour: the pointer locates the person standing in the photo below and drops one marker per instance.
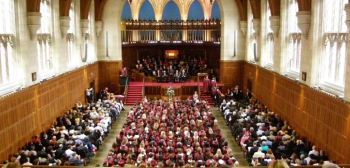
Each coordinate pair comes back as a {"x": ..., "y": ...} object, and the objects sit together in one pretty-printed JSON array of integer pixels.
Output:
[
  {"x": 88, "y": 95},
  {"x": 206, "y": 84},
  {"x": 124, "y": 72}
]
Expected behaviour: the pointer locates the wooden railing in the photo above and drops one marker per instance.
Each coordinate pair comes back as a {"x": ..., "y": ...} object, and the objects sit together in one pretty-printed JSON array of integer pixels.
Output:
[
  {"x": 126, "y": 87},
  {"x": 46, "y": 166}
]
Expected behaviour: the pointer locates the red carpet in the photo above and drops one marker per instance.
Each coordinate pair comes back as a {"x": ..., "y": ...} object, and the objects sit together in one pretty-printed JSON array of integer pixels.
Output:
[
  {"x": 134, "y": 94},
  {"x": 207, "y": 97},
  {"x": 168, "y": 84}
]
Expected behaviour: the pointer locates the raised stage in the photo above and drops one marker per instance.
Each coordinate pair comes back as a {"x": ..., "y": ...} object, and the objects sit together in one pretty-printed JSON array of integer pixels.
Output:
[
  {"x": 155, "y": 90},
  {"x": 169, "y": 84}
]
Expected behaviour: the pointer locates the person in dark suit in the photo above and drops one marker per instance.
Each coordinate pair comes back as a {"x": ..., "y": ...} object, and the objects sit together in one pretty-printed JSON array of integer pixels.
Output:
[
  {"x": 171, "y": 73},
  {"x": 237, "y": 93},
  {"x": 75, "y": 160},
  {"x": 248, "y": 94},
  {"x": 183, "y": 75},
  {"x": 82, "y": 148},
  {"x": 59, "y": 152},
  {"x": 164, "y": 76}
]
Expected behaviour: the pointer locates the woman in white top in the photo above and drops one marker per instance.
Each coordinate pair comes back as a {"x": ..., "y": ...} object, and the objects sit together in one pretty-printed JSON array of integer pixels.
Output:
[{"x": 195, "y": 97}]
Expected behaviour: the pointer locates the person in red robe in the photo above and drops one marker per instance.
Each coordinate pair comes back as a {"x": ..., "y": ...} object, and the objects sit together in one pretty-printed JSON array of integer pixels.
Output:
[{"x": 206, "y": 84}]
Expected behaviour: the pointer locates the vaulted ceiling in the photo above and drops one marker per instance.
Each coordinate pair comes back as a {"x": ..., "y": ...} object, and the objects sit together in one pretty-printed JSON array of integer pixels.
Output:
[{"x": 34, "y": 6}]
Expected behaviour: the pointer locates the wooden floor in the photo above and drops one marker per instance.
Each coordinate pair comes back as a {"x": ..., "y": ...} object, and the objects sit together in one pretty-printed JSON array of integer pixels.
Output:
[{"x": 108, "y": 141}]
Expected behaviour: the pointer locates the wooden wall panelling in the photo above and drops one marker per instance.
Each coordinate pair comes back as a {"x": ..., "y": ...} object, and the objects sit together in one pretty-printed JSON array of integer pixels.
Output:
[
  {"x": 109, "y": 75},
  {"x": 28, "y": 112},
  {"x": 92, "y": 74},
  {"x": 188, "y": 90},
  {"x": 323, "y": 119},
  {"x": 231, "y": 74},
  {"x": 152, "y": 90}
]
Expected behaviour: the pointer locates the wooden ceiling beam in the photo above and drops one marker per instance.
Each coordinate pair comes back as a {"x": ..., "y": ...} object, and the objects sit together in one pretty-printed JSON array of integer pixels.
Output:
[
  {"x": 256, "y": 8},
  {"x": 242, "y": 7},
  {"x": 99, "y": 6},
  {"x": 85, "y": 8},
  {"x": 275, "y": 7},
  {"x": 33, "y": 5},
  {"x": 65, "y": 7}
]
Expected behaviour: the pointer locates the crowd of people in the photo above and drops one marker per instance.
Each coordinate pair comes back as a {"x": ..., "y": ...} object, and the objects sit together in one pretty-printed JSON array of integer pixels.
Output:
[
  {"x": 74, "y": 138},
  {"x": 183, "y": 133},
  {"x": 172, "y": 70},
  {"x": 265, "y": 137},
  {"x": 163, "y": 134}
]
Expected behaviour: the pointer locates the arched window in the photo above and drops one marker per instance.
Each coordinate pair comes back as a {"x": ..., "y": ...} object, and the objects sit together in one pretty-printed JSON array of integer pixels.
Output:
[
  {"x": 294, "y": 54},
  {"x": 334, "y": 51},
  {"x": 44, "y": 36},
  {"x": 7, "y": 56},
  {"x": 270, "y": 40}
]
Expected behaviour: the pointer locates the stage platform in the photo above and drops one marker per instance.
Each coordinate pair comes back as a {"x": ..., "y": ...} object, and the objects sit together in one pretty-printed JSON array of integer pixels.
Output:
[
  {"x": 169, "y": 84},
  {"x": 158, "y": 90}
]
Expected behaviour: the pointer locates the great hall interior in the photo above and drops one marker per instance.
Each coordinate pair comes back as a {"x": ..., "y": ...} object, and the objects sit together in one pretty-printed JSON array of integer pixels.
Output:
[{"x": 291, "y": 55}]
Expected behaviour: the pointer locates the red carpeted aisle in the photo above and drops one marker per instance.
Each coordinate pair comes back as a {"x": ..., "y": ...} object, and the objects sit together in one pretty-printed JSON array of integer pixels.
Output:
[
  {"x": 134, "y": 94},
  {"x": 207, "y": 97}
]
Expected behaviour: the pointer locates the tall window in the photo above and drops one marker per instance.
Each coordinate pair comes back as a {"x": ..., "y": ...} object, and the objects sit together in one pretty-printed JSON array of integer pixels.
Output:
[
  {"x": 270, "y": 39},
  {"x": 270, "y": 50},
  {"x": 70, "y": 37},
  {"x": 44, "y": 36},
  {"x": 334, "y": 53},
  {"x": 7, "y": 59},
  {"x": 252, "y": 42},
  {"x": 294, "y": 54}
]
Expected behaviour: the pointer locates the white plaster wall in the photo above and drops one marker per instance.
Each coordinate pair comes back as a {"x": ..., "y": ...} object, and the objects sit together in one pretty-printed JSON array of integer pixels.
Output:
[
  {"x": 111, "y": 19},
  {"x": 282, "y": 41},
  {"x": 249, "y": 35},
  {"x": 230, "y": 18},
  {"x": 59, "y": 43},
  {"x": 26, "y": 49},
  {"x": 263, "y": 34},
  {"x": 312, "y": 50}
]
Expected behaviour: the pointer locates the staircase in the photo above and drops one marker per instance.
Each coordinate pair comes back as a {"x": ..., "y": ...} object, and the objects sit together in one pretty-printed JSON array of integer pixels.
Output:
[
  {"x": 134, "y": 94},
  {"x": 207, "y": 97}
]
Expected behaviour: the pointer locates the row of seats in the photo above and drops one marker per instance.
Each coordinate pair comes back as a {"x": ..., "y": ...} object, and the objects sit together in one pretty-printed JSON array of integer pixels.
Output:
[
  {"x": 264, "y": 136},
  {"x": 74, "y": 138},
  {"x": 163, "y": 134}
]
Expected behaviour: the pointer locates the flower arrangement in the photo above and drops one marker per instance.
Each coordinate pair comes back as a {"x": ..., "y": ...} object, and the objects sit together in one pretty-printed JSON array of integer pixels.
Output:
[{"x": 170, "y": 92}]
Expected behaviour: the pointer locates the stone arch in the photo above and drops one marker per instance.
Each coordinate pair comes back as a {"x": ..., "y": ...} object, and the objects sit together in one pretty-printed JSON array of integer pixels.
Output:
[
  {"x": 148, "y": 10},
  {"x": 184, "y": 6},
  {"x": 126, "y": 12},
  {"x": 215, "y": 9},
  {"x": 192, "y": 9},
  {"x": 172, "y": 6}
]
